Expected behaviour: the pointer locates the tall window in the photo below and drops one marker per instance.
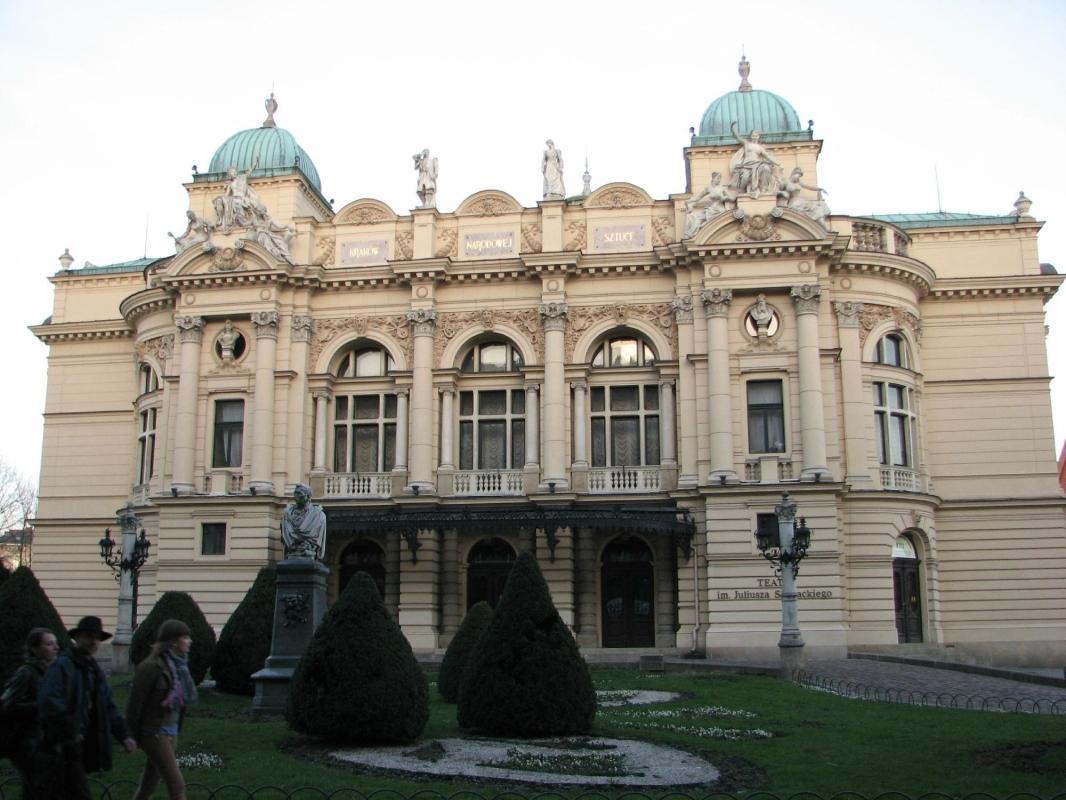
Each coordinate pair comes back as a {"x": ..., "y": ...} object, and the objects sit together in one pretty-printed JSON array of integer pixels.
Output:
[
  {"x": 365, "y": 362},
  {"x": 148, "y": 381},
  {"x": 213, "y": 539},
  {"x": 625, "y": 425},
  {"x": 146, "y": 445},
  {"x": 766, "y": 417},
  {"x": 492, "y": 356},
  {"x": 892, "y": 350},
  {"x": 229, "y": 433},
  {"x": 492, "y": 428},
  {"x": 364, "y": 433},
  {"x": 894, "y": 422}
]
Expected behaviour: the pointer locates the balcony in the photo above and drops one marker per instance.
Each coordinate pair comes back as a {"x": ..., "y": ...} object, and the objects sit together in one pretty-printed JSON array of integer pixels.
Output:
[
  {"x": 895, "y": 479},
  {"x": 621, "y": 480},
  {"x": 489, "y": 483},
  {"x": 221, "y": 481},
  {"x": 358, "y": 484}
]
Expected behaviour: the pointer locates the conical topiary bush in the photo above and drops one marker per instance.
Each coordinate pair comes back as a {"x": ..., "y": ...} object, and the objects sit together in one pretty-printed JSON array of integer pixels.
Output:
[
  {"x": 358, "y": 682},
  {"x": 177, "y": 605},
  {"x": 23, "y": 607},
  {"x": 458, "y": 654},
  {"x": 526, "y": 676},
  {"x": 244, "y": 644}
]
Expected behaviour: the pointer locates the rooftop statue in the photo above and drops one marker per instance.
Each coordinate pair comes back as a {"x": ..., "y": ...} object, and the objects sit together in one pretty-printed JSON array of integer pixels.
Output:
[
  {"x": 789, "y": 195},
  {"x": 552, "y": 167},
  {"x": 753, "y": 167},
  {"x": 708, "y": 204},
  {"x": 274, "y": 237},
  {"x": 240, "y": 207},
  {"x": 196, "y": 232},
  {"x": 303, "y": 526},
  {"x": 427, "y": 179},
  {"x": 1021, "y": 206}
]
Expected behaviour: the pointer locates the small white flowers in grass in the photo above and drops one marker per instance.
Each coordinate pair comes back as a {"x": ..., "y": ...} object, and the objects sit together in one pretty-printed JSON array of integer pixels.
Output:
[
  {"x": 615, "y": 694},
  {"x": 200, "y": 761},
  {"x": 730, "y": 734},
  {"x": 561, "y": 764},
  {"x": 695, "y": 711}
]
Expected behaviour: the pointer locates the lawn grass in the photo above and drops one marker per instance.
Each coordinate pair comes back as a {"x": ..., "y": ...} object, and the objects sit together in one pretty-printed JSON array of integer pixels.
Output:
[{"x": 821, "y": 743}]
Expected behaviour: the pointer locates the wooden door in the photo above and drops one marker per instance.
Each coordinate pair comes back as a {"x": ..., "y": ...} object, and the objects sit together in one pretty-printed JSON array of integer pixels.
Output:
[{"x": 906, "y": 589}]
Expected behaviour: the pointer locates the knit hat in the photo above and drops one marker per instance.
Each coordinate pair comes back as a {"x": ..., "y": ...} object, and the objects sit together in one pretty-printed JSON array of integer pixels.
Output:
[{"x": 172, "y": 630}]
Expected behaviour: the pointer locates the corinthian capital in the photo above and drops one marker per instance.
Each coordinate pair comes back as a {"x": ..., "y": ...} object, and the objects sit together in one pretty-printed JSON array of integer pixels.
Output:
[
  {"x": 266, "y": 324},
  {"x": 716, "y": 301},
  {"x": 806, "y": 297},
  {"x": 190, "y": 329},
  {"x": 422, "y": 321},
  {"x": 848, "y": 313},
  {"x": 682, "y": 309},
  {"x": 553, "y": 316}
]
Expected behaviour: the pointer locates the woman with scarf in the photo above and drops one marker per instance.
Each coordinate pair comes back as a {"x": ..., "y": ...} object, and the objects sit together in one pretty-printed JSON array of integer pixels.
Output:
[
  {"x": 163, "y": 689},
  {"x": 19, "y": 701}
]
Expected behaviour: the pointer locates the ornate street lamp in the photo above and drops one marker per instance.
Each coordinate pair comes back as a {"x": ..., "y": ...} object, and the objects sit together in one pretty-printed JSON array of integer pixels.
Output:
[
  {"x": 785, "y": 547},
  {"x": 126, "y": 564}
]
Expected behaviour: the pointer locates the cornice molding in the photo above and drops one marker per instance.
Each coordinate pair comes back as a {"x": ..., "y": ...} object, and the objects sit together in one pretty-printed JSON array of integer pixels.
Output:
[{"x": 74, "y": 331}]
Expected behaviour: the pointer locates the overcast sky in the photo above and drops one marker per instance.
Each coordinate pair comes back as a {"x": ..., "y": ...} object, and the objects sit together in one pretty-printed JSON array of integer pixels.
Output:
[{"x": 105, "y": 106}]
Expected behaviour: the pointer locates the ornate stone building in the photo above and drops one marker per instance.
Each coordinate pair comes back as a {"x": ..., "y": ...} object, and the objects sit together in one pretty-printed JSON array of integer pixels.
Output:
[{"x": 623, "y": 384}]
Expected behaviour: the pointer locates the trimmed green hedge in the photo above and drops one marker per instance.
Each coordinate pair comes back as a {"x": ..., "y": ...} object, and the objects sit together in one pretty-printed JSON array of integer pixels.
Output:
[
  {"x": 458, "y": 654},
  {"x": 244, "y": 644},
  {"x": 176, "y": 605},
  {"x": 359, "y": 682},
  {"x": 23, "y": 607},
  {"x": 526, "y": 676}
]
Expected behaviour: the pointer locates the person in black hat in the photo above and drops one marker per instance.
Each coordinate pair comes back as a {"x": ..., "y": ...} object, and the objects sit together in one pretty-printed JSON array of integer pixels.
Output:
[{"x": 77, "y": 712}]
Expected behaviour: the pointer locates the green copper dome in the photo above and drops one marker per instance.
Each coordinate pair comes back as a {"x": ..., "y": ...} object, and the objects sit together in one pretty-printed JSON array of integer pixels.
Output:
[
  {"x": 275, "y": 149},
  {"x": 752, "y": 109}
]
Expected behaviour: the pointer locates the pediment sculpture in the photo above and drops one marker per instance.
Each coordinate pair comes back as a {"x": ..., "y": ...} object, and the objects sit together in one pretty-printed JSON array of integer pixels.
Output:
[
  {"x": 789, "y": 196},
  {"x": 708, "y": 204},
  {"x": 753, "y": 170},
  {"x": 240, "y": 207},
  {"x": 197, "y": 231}
]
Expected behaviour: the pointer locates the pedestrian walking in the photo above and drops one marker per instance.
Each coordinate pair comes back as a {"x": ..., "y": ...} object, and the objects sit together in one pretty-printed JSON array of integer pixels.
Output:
[
  {"x": 163, "y": 688},
  {"x": 19, "y": 703},
  {"x": 78, "y": 715}
]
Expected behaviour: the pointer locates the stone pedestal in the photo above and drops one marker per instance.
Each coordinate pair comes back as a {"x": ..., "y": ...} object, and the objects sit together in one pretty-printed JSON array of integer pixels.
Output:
[
  {"x": 299, "y": 604},
  {"x": 793, "y": 658}
]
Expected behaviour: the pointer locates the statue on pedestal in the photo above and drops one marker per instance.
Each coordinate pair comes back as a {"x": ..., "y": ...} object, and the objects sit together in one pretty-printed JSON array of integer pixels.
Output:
[
  {"x": 752, "y": 168},
  {"x": 552, "y": 167},
  {"x": 303, "y": 526},
  {"x": 227, "y": 340},
  {"x": 427, "y": 179}
]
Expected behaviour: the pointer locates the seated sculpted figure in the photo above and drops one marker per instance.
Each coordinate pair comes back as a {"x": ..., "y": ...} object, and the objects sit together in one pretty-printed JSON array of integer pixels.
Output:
[
  {"x": 303, "y": 526},
  {"x": 752, "y": 168},
  {"x": 789, "y": 195},
  {"x": 708, "y": 204},
  {"x": 196, "y": 232},
  {"x": 240, "y": 206}
]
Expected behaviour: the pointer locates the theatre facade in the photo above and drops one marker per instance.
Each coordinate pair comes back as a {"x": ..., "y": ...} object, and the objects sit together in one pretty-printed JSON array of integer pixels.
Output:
[{"x": 623, "y": 385}]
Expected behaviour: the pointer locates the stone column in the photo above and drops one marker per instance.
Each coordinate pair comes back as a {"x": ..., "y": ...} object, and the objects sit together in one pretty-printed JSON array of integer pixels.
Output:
[
  {"x": 420, "y": 591},
  {"x": 402, "y": 423},
  {"x": 581, "y": 458},
  {"x": 553, "y": 316},
  {"x": 720, "y": 399},
  {"x": 848, "y": 314},
  {"x": 450, "y": 574},
  {"x": 686, "y": 392},
  {"x": 190, "y": 334},
  {"x": 321, "y": 421},
  {"x": 422, "y": 321},
  {"x": 266, "y": 349},
  {"x": 807, "y": 298},
  {"x": 447, "y": 456},
  {"x": 532, "y": 427},
  {"x": 295, "y": 455},
  {"x": 667, "y": 424},
  {"x": 587, "y": 602}
]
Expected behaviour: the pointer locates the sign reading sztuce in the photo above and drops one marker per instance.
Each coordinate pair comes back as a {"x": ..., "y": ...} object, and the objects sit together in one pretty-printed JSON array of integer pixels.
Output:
[
  {"x": 619, "y": 237},
  {"x": 364, "y": 252}
]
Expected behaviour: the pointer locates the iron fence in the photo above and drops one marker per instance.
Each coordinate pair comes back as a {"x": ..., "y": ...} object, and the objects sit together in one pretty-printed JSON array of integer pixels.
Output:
[{"x": 862, "y": 691}]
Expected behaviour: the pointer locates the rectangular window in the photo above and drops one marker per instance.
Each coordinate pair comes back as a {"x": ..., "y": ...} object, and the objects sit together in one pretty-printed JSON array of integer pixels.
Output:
[
  {"x": 213, "y": 539},
  {"x": 491, "y": 429},
  {"x": 625, "y": 425},
  {"x": 146, "y": 445},
  {"x": 893, "y": 425},
  {"x": 364, "y": 433},
  {"x": 766, "y": 417},
  {"x": 229, "y": 433}
]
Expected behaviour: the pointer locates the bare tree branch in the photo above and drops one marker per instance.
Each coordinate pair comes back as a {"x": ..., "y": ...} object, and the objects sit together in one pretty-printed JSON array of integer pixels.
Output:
[{"x": 18, "y": 498}]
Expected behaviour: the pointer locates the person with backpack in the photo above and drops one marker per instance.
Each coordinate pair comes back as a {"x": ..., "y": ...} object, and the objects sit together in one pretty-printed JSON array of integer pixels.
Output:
[
  {"x": 22, "y": 734},
  {"x": 78, "y": 715}
]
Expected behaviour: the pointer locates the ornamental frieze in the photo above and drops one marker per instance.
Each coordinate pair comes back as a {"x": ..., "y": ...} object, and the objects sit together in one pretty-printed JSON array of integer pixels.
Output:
[
  {"x": 452, "y": 324},
  {"x": 405, "y": 246},
  {"x": 618, "y": 198},
  {"x": 581, "y": 318},
  {"x": 160, "y": 348},
  {"x": 873, "y": 315},
  {"x": 392, "y": 325},
  {"x": 364, "y": 215},
  {"x": 324, "y": 250},
  {"x": 531, "y": 242},
  {"x": 662, "y": 231},
  {"x": 577, "y": 236},
  {"x": 447, "y": 244}
]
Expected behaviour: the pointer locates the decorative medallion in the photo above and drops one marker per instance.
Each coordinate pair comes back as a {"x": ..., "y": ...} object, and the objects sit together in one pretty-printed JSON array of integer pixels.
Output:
[
  {"x": 227, "y": 259},
  {"x": 757, "y": 228}
]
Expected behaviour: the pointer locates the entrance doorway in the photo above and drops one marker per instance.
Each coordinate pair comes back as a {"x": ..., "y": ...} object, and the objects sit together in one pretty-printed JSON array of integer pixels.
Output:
[
  {"x": 488, "y": 566},
  {"x": 362, "y": 555},
  {"x": 906, "y": 591},
  {"x": 628, "y": 582}
]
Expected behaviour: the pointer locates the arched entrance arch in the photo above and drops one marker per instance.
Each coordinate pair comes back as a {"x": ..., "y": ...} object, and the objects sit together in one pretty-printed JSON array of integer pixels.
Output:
[
  {"x": 906, "y": 590},
  {"x": 362, "y": 555},
  {"x": 488, "y": 565},
  {"x": 628, "y": 586}
]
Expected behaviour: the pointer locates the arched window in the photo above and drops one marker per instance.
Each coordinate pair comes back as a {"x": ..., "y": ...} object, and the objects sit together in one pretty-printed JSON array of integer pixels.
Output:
[
  {"x": 892, "y": 351},
  {"x": 496, "y": 355},
  {"x": 624, "y": 351},
  {"x": 364, "y": 362},
  {"x": 148, "y": 380}
]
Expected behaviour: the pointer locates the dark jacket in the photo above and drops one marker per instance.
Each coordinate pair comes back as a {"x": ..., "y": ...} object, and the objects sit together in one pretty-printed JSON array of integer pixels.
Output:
[
  {"x": 77, "y": 711},
  {"x": 151, "y": 685},
  {"x": 20, "y": 703}
]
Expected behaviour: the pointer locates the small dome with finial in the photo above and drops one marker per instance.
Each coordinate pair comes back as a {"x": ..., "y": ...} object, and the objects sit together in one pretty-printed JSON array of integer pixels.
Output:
[
  {"x": 275, "y": 149},
  {"x": 752, "y": 109}
]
